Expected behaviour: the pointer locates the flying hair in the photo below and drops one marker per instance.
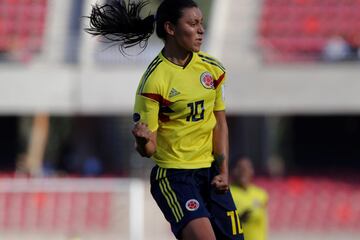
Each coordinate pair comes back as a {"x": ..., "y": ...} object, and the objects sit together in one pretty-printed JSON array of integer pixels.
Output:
[{"x": 121, "y": 23}]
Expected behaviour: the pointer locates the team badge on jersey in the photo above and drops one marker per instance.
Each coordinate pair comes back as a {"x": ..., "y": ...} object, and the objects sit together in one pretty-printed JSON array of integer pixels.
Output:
[
  {"x": 207, "y": 80},
  {"x": 192, "y": 205}
]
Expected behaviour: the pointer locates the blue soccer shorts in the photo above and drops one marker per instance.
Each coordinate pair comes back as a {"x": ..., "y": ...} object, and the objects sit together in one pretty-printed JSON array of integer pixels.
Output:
[{"x": 187, "y": 194}]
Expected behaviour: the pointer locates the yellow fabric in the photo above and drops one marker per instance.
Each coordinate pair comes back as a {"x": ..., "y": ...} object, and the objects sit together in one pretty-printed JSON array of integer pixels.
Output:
[
  {"x": 166, "y": 97},
  {"x": 255, "y": 200}
]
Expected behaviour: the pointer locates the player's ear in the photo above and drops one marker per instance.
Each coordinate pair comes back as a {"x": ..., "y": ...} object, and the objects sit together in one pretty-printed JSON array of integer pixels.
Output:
[{"x": 169, "y": 28}]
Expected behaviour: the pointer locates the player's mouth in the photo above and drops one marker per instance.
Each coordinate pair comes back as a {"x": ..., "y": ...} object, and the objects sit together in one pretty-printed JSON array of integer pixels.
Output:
[{"x": 199, "y": 41}]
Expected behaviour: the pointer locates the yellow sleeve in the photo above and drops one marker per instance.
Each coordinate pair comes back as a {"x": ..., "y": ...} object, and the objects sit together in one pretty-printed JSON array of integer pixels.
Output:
[
  {"x": 146, "y": 109},
  {"x": 220, "y": 93}
]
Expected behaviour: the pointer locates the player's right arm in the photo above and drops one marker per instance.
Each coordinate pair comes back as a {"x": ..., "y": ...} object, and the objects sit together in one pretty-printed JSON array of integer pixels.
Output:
[
  {"x": 146, "y": 115},
  {"x": 145, "y": 140}
]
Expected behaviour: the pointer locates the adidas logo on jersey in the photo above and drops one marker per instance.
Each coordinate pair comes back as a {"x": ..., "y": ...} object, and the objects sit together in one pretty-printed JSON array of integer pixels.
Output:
[{"x": 173, "y": 93}]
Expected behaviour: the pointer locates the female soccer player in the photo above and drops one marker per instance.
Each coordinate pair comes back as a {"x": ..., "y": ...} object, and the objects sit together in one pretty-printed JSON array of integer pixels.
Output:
[{"x": 179, "y": 116}]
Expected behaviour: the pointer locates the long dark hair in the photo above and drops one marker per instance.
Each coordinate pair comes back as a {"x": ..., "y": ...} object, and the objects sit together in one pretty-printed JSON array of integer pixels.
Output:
[{"x": 121, "y": 23}]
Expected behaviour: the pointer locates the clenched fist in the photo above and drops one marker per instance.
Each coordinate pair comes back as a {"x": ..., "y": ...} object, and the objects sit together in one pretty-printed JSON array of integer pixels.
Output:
[
  {"x": 221, "y": 183},
  {"x": 141, "y": 133}
]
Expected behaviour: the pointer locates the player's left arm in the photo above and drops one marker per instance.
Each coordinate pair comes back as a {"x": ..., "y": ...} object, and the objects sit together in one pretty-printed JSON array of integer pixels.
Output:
[{"x": 221, "y": 151}]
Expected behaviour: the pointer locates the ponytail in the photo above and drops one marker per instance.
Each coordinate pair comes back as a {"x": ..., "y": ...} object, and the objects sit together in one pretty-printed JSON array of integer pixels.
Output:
[{"x": 121, "y": 23}]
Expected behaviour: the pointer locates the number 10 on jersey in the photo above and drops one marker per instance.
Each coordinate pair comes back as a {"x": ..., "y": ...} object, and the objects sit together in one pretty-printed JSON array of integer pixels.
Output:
[{"x": 196, "y": 111}]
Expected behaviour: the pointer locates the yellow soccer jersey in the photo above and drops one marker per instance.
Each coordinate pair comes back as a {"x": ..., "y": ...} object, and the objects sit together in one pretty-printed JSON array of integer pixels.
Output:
[
  {"x": 255, "y": 200},
  {"x": 179, "y": 103}
]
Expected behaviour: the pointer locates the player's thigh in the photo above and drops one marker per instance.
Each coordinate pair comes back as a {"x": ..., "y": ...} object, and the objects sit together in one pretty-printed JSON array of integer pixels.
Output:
[{"x": 198, "y": 229}]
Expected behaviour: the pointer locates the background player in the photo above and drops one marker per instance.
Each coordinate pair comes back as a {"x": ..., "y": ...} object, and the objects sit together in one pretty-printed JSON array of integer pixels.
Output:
[
  {"x": 180, "y": 116},
  {"x": 250, "y": 200}
]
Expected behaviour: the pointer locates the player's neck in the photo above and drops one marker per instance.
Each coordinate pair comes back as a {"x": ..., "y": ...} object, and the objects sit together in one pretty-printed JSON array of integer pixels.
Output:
[{"x": 176, "y": 54}]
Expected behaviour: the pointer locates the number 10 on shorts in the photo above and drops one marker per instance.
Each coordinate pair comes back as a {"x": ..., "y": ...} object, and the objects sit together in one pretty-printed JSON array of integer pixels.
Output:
[{"x": 235, "y": 222}]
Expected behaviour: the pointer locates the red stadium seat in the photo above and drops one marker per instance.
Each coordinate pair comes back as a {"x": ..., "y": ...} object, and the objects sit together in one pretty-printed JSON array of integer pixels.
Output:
[
  {"x": 19, "y": 20},
  {"x": 296, "y": 29},
  {"x": 316, "y": 204}
]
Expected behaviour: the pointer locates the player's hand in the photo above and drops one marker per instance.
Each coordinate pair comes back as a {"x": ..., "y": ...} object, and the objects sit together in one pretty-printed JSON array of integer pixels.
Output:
[
  {"x": 142, "y": 133},
  {"x": 220, "y": 183}
]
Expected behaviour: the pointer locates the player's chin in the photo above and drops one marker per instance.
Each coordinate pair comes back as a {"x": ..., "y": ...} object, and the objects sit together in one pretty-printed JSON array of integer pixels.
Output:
[{"x": 196, "y": 48}]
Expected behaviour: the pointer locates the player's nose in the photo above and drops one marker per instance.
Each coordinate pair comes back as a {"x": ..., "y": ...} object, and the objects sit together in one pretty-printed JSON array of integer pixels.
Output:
[{"x": 201, "y": 29}]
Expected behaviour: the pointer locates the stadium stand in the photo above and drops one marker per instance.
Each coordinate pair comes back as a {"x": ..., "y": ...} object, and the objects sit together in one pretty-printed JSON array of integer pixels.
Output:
[
  {"x": 22, "y": 25},
  {"x": 70, "y": 206},
  {"x": 312, "y": 204},
  {"x": 75, "y": 205},
  {"x": 298, "y": 30}
]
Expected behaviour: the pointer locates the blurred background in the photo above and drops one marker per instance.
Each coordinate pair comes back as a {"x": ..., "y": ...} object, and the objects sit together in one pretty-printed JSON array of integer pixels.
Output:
[{"x": 68, "y": 169}]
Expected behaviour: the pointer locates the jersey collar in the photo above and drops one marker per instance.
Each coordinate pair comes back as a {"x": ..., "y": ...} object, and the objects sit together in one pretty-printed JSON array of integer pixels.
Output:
[{"x": 175, "y": 65}]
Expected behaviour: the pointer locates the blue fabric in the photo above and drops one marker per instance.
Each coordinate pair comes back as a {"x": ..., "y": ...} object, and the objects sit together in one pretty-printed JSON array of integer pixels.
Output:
[{"x": 196, "y": 198}]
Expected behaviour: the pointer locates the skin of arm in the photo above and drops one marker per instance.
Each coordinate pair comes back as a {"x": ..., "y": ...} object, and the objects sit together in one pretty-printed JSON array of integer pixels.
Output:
[
  {"x": 145, "y": 140},
  {"x": 221, "y": 151}
]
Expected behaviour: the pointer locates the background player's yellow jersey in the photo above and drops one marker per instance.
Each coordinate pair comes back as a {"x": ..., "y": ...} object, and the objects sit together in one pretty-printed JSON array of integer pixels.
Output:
[
  {"x": 179, "y": 103},
  {"x": 254, "y": 200}
]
